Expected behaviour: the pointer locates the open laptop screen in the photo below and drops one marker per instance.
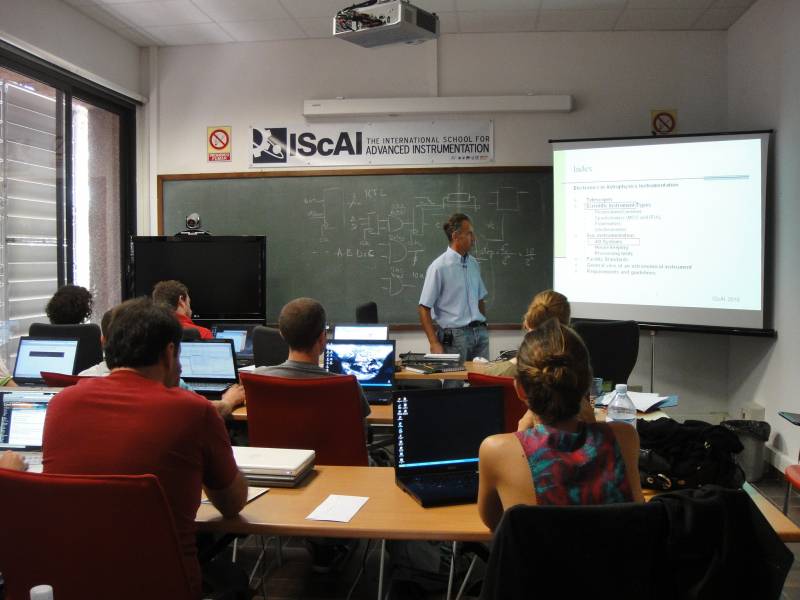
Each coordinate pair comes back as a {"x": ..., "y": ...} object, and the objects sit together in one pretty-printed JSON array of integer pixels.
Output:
[
  {"x": 41, "y": 354},
  {"x": 371, "y": 361},
  {"x": 208, "y": 360},
  {"x": 22, "y": 416},
  {"x": 443, "y": 428},
  {"x": 361, "y": 332},
  {"x": 241, "y": 334}
]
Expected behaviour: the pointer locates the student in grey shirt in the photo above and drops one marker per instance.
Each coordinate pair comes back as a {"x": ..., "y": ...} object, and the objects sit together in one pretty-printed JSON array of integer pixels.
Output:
[{"x": 302, "y": 325}]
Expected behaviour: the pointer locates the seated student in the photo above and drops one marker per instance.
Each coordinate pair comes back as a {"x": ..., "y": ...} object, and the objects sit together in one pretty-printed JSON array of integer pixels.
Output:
[
  {"x": 562, "y": 460},
  {"x": 176, "y": 296},
  {"x": 233, "y": 396},
  {"x": 138, "y": 421},
  {"x": 70, "y": 305},
  {"x": 302, "y": 324},
  {"x": 545, "y": 305}
]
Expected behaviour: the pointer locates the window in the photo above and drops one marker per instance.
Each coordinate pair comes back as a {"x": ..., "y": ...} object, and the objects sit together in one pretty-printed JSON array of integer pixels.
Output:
[{"x": 66, "y": 191}]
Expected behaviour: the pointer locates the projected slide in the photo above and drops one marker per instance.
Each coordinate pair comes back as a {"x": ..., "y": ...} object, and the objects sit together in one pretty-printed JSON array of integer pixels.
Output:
[{"x": 672, "y": 224}]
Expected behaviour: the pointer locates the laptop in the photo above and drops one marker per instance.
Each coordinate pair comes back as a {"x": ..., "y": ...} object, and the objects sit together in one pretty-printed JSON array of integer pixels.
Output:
[
  {"x": 22, "y": 414},
  {"x": 439, "y": 433},
  {"x": 43, "y": 354},
  {"x": 371, "y": 361},
  {"x": 360, "y": 331},
  {"x": 281, "y": 467},
  {"x": 208, "y": 367},
  {"x": 242, "y": 336}
]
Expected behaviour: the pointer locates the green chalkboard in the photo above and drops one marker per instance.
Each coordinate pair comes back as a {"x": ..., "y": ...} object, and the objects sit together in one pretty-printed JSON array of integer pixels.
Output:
[{"x": 353, "y": 236}]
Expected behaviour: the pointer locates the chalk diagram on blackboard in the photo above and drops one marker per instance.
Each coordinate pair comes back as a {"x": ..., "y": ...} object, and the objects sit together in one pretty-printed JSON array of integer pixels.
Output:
[{"x": 396, "y": 237}]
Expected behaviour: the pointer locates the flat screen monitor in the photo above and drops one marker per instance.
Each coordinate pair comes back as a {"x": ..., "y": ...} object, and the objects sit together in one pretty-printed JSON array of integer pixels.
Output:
[
  {"x": 663, "y": 230},
  {"x": 226, "y": 275}
]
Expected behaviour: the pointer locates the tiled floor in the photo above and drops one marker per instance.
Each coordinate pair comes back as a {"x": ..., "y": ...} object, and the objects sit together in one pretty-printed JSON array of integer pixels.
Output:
[{"x": 295, "y": 579}]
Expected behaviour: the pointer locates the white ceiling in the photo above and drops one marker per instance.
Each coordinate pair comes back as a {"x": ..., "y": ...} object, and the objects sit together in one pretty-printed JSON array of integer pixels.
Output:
[{"x": 188, "y": 22}]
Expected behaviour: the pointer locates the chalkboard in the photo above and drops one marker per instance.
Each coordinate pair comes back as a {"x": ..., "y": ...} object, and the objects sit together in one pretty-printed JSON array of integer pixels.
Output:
[{"x": 353, "y": 236}]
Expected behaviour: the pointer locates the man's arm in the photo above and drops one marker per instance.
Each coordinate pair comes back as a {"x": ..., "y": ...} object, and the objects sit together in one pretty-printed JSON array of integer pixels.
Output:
[
  {"x": 430, "y": 331},
  {"x": 12, "y": 460},
  {"x": 233, "y": 397},
  {"x": 482, "y": 307},
  {"x": 231, "y": 500}
]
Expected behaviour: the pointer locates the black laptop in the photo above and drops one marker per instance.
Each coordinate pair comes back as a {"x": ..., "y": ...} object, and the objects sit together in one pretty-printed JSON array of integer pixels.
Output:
[
  {"x": 371, "y": 361},
  {"x": 44, "y": 354},
  {"x": 22, "y": 414},
  {"x": 208, "y": 367},
  {"x": 242, "y": 336},
  {"x": 439, "y": 433}
]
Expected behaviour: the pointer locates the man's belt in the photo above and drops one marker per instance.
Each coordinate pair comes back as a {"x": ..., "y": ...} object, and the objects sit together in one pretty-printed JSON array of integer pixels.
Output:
[{"x": 477, "y": 324}]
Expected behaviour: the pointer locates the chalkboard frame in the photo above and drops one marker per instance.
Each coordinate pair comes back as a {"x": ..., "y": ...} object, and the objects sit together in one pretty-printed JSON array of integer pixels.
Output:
[{"x": 160, "y": 179}]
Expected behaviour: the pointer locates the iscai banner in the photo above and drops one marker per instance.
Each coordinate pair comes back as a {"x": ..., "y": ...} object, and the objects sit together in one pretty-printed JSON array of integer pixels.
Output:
[{"x": 395, "y": 143}]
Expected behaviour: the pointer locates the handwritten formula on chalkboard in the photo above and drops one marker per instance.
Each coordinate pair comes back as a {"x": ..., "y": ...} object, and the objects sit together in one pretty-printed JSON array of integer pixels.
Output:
[{"x": 347, "y": 239}]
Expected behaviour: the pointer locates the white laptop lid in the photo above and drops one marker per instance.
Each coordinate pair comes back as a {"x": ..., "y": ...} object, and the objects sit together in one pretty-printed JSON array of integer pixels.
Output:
[
  {"x": 22, "y": 414},
  {"x": 361, "y": 331},
  {"x": 273, "y": 461},
  {"x": 44, "y": 354}
]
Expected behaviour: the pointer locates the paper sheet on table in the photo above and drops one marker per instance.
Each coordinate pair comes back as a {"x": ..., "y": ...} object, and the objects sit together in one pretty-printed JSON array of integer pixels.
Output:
[
  {"x": 338, "y": 508},
  {"x": 643, "y": 401},
  {"x": 253, "y": 492}
]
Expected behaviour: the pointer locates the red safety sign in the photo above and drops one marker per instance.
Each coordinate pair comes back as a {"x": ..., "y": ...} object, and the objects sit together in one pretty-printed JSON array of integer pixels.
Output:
[
  {"x": 219, "y": 139},
  {"x": 219, "y": 144},
  {"x": 663, "y": 121}
]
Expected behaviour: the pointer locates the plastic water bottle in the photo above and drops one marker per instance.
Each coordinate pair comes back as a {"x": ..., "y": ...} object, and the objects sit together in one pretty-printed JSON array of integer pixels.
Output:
[
  {"x": 41, "y": 592},
  {"x": 621, "y": 408}
]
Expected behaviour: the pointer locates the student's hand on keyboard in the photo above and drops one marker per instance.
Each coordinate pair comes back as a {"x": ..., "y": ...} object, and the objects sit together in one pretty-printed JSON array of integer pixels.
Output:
[
  {"x": 233, "y": 397},
  {"x": 12, "y": 460}
]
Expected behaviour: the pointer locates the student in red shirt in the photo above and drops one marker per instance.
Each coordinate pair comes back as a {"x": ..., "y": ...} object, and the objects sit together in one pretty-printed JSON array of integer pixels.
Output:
[
  {"x": 137, "y": 420},
  {"x": 176, "y": 296}
]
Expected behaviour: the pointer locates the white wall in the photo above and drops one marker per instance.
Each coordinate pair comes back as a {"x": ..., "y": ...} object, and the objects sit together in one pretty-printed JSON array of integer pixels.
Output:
[
  {"x": 764, "y": 92},
  {"x": 55, "y": 31},
  {"x": 615, "y": 78}
]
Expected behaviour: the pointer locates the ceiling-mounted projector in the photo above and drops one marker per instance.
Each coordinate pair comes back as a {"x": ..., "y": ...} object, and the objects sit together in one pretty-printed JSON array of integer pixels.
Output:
[{"x": 375, "y": 23}]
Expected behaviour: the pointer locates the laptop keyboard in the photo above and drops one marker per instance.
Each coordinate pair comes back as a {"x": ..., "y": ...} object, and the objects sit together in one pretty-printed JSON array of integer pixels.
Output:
[
  {"x": 450, "y": 481},
  {"x": 34, "y": 460},
  {"x": 209, "y": 387}
]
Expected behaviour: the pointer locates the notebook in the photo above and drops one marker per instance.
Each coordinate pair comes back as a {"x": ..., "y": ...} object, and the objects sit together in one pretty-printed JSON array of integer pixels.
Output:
[
  {"x": 208, "y": 367},
  {"x": 43, "y": 354},
  {"x": 242, "y": 336},
  {"x": 371, "y": 361},
  {"x": 439, "y": 433},
  {"x": 22, "y": 414},
  {"x": 361, "y": 331},
  {"x": 281, "y": 467}
]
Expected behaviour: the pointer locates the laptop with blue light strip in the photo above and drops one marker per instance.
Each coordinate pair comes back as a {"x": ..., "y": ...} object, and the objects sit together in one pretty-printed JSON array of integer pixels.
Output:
[
  {"x": 439, "y": 433},
  {"x": 371, "y": 361},
  {"x": 22, "y": 415}
]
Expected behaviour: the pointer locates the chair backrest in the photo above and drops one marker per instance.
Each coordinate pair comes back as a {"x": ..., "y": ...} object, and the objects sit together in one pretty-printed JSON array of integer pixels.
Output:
[
  {"x": 190, "y": 334},
  {"x": 90, "y": 537},
  {"x": 269, "y": 348},
  {"x": 613, "y": 347},
  {"x": 90, "y": 349},
  {"x": 321, "y": 414},
  {"x": 59, "y": 380},
  {"x": 546, "y": 548},
  {"x": 513, "y": 407},
  {"x": 367, "y": 313}
]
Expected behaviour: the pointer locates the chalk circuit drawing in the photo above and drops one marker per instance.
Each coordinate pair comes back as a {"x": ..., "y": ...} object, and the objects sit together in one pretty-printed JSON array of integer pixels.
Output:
[{"x": 400, "y": 237}]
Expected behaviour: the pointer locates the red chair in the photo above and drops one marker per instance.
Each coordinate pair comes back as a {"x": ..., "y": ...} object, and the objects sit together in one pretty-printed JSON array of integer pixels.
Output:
[
  {"x": 322, "y": 414},
  {"x": 108, "y": 536},
  {"x": 513, "y": 407},
  {"x": 60, "y": 380}
]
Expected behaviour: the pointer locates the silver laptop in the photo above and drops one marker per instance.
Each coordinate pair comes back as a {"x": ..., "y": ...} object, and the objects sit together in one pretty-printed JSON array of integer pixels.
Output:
[
  {"x": 371, "y": 361},
  {"x": 208, "y": 367},
  {"x": 281, "y": 467},
  {"x": 22, "y": 414},
  {"x": 43, "y": 354},
  {"x": 360, "y": 331}
]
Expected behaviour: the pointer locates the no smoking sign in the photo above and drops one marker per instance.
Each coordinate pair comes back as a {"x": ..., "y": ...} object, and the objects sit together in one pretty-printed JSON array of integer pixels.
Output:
[
  {"x": 663, "y": 122},
  {"x": 218, "y": 142}
]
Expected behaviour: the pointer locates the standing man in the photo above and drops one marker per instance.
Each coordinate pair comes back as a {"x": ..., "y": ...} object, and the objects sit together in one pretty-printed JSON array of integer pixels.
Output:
[
  {"x": 176, "y": 296},
  {"x": 453, "y": 294}
]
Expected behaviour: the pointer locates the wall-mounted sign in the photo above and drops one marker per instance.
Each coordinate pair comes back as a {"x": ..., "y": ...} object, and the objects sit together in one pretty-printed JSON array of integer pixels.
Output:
[
  {"x": 663, "y": 122},
  {"x": 395, "y": 143},
  {"x": 219, "y": 143}
]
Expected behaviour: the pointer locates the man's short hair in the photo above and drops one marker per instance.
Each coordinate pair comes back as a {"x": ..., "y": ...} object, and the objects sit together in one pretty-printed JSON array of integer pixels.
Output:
[
  {"x": 169, "y": 293},
  {"x": 301, "y": 322},
  {"x": 70, "y": 305},
  {"x": 453, "y": 224},
  {"x": 140, "y": 331},
  {"x": 105, "y": 322}
]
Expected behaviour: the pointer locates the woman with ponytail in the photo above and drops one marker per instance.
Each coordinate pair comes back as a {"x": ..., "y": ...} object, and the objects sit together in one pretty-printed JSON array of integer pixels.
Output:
[{"x": 561, "y": 459}]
